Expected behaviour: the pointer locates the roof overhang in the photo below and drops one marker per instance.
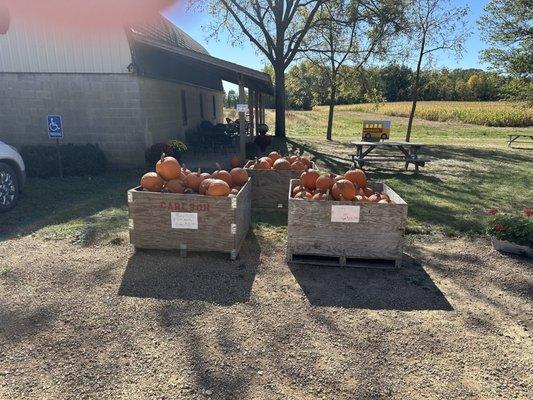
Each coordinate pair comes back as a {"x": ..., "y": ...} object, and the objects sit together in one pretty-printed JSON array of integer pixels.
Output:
[{"x": 222, "y": 69}]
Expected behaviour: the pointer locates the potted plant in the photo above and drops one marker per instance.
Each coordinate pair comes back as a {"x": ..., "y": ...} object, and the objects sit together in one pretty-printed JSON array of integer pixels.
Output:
[
  {"x": 511, "y": 233},
  {"x": 174, "y": 148}
]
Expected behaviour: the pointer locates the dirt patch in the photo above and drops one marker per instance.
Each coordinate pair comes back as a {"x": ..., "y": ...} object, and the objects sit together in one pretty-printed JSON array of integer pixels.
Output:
[{"x": 105, "y": 322}]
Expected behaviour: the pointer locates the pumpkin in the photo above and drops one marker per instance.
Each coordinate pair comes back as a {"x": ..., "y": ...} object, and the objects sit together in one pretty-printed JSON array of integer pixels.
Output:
[
  {"x": 282, "y": 164},
  {"x": 274, "y": 155},
  {"x": 309, "y": 178},
  {"x": 374, "y": 198},
  {"x": 189, "y": 191},
  {"x": 385, "y": 196},
  {"x": 262, "y": 163},
  {"x": 268, "y": 160},
  {"x": 298, "y": 166},
  {"x": 324, "y": 182},
  {"x": 343, "y": 190},
  {"x": 306, "y": 161},
  {"x": 297, "y": 189},
  {"x": 239, "y": 176},
  {"x": 193, "y": 180},
  {"x": 234, "y": 191},
  {"x": 185, "y": 170},
  {"x": 292, "y": 158},
  {"x": 383, "y": 201},
  {"x": 361, "y": 199},
  {"x": 321, "y": 196},
  {"x": 368, "y": 192},
  {"x": 168, "y": 168},
  {"x": 303, "y": 195},
  {"x": 234, "y": 162},
  {"x": 205, "y": 175},
  {"x": 202, "y": 189},
  {"x": 152, "y": 182},
  {"x": 218, "y": 187},
  {"x": 176, "y": 186},
  {"x": 222, "y": 175},
  {"x": 357, "y": 177}
]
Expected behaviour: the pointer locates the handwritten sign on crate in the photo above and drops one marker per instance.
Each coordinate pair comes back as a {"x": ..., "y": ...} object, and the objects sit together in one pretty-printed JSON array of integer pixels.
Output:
[
  {"x": 182, "y": 220},
  {"x": 346, "y": 214}
]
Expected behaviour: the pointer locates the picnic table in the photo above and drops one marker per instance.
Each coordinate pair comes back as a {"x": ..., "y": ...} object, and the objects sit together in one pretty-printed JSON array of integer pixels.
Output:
[
  {"x": 408, "y": 153},
  {"x": 514, "y": 137}
]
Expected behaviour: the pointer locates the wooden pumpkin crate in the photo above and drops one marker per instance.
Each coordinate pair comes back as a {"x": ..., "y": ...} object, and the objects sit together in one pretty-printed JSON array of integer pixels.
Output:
[
  {"x": 189, "y": 222},
  {"x": 269, "y": 188},
  {"x": 343, "y": 233}
]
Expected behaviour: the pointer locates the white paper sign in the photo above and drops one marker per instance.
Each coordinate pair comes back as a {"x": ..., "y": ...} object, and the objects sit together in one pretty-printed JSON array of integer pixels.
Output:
[
  {"x": 181, "y": 220},
  {"x": 242, "y": 108},
  {"x": 345, "y": 213}
]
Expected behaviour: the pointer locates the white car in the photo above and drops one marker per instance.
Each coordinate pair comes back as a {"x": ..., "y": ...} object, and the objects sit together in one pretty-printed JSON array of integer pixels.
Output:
[{"x": 12, "y": 176}]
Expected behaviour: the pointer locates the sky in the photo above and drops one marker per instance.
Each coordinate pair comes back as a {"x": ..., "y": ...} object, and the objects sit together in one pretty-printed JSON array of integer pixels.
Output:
[{"x": 194, "y": 24}]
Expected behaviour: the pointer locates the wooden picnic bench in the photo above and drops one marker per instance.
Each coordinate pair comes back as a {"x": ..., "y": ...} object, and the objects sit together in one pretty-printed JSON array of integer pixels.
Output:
[
  {"x": 408, "y": 153},
  {"x": 514, "y": 137}
]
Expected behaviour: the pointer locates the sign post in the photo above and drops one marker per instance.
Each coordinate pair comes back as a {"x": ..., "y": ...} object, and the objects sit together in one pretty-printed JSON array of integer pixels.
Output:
[{"x": 55, "y": 131}]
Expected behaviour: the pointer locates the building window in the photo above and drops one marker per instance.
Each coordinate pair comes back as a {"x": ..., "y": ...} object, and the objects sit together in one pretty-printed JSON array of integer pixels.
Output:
[
  {"x": 201, "y": 106},
  {"x": 184, "y": 108},
  {"x": 214, "y": 108}
]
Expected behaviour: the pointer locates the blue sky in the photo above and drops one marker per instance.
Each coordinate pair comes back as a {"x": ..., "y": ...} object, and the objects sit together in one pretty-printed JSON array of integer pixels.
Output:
[{"x": 193, "y": 23}]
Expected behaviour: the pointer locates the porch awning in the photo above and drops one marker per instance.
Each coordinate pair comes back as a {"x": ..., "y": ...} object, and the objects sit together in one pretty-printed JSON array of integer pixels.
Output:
[{"x": 195, "y": 65}]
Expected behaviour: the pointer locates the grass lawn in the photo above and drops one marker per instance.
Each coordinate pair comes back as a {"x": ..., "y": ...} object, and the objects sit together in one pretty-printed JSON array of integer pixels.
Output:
[{"x": 472, "y": 170}]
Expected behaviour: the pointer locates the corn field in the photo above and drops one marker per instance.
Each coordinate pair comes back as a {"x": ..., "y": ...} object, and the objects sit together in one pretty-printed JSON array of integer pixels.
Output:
[{"x": 490, "y": 113}]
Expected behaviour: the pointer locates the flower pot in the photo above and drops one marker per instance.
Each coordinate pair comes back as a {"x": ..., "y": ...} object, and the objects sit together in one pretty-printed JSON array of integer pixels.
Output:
[{"x": 509, "y": 247}]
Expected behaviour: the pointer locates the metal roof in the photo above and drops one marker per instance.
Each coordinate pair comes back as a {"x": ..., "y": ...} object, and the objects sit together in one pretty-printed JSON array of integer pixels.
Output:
[{"x": 161, "y": 35}]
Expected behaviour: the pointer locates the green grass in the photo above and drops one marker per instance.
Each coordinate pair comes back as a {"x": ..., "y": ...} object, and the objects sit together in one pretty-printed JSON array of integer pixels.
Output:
[{"x": 472, "y": 170}]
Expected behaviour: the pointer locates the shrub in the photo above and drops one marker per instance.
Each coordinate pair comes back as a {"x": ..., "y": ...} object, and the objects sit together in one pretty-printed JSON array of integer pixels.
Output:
[
  {"x": 76, "y": 160},
  {"x": 173, "y": 148},
  {"x": 514, "y": 228}
]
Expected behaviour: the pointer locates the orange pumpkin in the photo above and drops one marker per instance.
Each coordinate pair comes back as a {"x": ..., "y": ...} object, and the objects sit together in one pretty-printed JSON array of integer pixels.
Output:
[
  {"x": 297, "y": 189},
  {"x": 223, "y": 175},
  {"x": 309, "y": 178},
  {"x": 185, "y": 170},
  {"x": 324, "y": 182},
  {"x": 202, "y": 189},
  {"x": 234, "y": 162},
  {"x": 176, "y": 186},
  {"x": 298, "y": 166},
  {"x": 321, "y": 196},
  {"x": 152, "y": 182},
  {"x": 168, "y": 168},
  {"x": 282, "y": 164},
  {"x": 357, "y": 177},
  {"x": 239, "y": 176},
  {"x": 218, "y": 187},
  {"x": 193, "y": 180},
  {"x": 343, "y": 190},
  {"x": 205, "y": 175},
  {"x": 306, "y": 161},
  {"x": 374, "y": 198},
  {"x": 262, "y": 163},
  {"x": 303, "y": 195},
  {"x": 368, "y": 192},
  {"x": 274, "y": 155}
]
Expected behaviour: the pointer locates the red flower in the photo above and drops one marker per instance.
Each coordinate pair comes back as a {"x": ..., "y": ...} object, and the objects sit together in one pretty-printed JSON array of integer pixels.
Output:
[
  {"x": 498, "y": 228},
  {"x": 528, "y": 213},
  {"x": 492, "y": 211}
]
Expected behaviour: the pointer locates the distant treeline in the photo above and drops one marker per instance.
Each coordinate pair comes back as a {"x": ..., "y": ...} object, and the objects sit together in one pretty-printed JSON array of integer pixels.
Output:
[{"x": 307, "y": 86}]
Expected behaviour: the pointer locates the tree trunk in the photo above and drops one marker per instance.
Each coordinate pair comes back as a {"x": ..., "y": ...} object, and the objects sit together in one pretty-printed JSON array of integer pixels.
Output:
[
  {"x": 332, "y": 100},
  {"x": 415, "y": 89},
  {"x": 280, "y": 100}
]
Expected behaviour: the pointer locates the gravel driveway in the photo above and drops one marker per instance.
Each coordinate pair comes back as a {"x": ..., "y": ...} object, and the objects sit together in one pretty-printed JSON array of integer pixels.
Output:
[{"x": 105, "y": 322}]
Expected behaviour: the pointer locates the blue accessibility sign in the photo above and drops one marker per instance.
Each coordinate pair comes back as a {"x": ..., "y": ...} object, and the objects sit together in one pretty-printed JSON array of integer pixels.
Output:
[{"x": 55, "y": 127}]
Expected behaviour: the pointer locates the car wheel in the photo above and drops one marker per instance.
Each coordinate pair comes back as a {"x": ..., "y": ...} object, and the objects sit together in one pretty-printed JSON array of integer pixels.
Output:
[{"x": 9, "y": 187}]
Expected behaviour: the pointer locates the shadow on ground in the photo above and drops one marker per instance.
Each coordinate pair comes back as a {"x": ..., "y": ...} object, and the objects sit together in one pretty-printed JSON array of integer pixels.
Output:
[
  {"x": 211, "y": 278},
  {"x": 407, "y": 288}
]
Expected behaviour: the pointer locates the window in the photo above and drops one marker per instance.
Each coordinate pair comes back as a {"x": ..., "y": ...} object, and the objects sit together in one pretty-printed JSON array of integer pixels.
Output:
[
  {"x": 214, "y": 108},
  {"x": 184, "y": 108},
  {"x": 201, "y": 106}
]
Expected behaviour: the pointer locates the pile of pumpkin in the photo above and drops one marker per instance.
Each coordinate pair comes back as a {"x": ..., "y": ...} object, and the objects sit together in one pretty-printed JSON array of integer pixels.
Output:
[
  {"x": 171, "y": 177},
  {"x": 352, "y": 186},
  {"x": 275, "y": 161}
]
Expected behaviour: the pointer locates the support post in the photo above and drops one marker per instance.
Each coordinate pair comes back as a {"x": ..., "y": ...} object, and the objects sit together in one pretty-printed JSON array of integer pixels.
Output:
[
  {"x": 242, "y": 121},
  {"x": 262, "y": 109},
  {"x": 251, "y": 111},
  {"x": 256, "y": 107}
]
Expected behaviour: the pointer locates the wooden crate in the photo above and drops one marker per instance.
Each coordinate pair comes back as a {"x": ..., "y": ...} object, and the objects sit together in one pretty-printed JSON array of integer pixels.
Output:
[
  {"x": 189, "y": 222},
  {"x": 269, "y": 188},
  {"x": 373, "y": 237}
]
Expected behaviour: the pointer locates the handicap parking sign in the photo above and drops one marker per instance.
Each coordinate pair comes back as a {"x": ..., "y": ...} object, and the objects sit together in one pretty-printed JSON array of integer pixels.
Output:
[{"x": 55, "y": 127}]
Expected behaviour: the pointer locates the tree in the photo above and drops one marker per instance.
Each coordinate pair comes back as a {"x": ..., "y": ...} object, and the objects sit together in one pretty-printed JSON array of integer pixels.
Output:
[
  {"x": 349, "y": 31},
  {"x": 276, "y": 28},
  {"x": 435, "y": 26},
  {"x": 507, "y": 25},
  {"x": 231, "y": 99}
]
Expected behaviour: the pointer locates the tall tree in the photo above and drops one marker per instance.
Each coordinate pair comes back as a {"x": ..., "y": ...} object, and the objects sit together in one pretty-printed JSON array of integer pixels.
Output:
[
  {"x": 507, "y": 25},
  {"x": 276, "y": 28},
  {"x": 349, "y": 32},
  {"x": 434, "y": 26}
]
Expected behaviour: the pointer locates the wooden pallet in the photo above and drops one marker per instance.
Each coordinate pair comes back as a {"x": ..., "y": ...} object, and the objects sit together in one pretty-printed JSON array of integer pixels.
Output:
[{"x": 342, "y": 261}]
